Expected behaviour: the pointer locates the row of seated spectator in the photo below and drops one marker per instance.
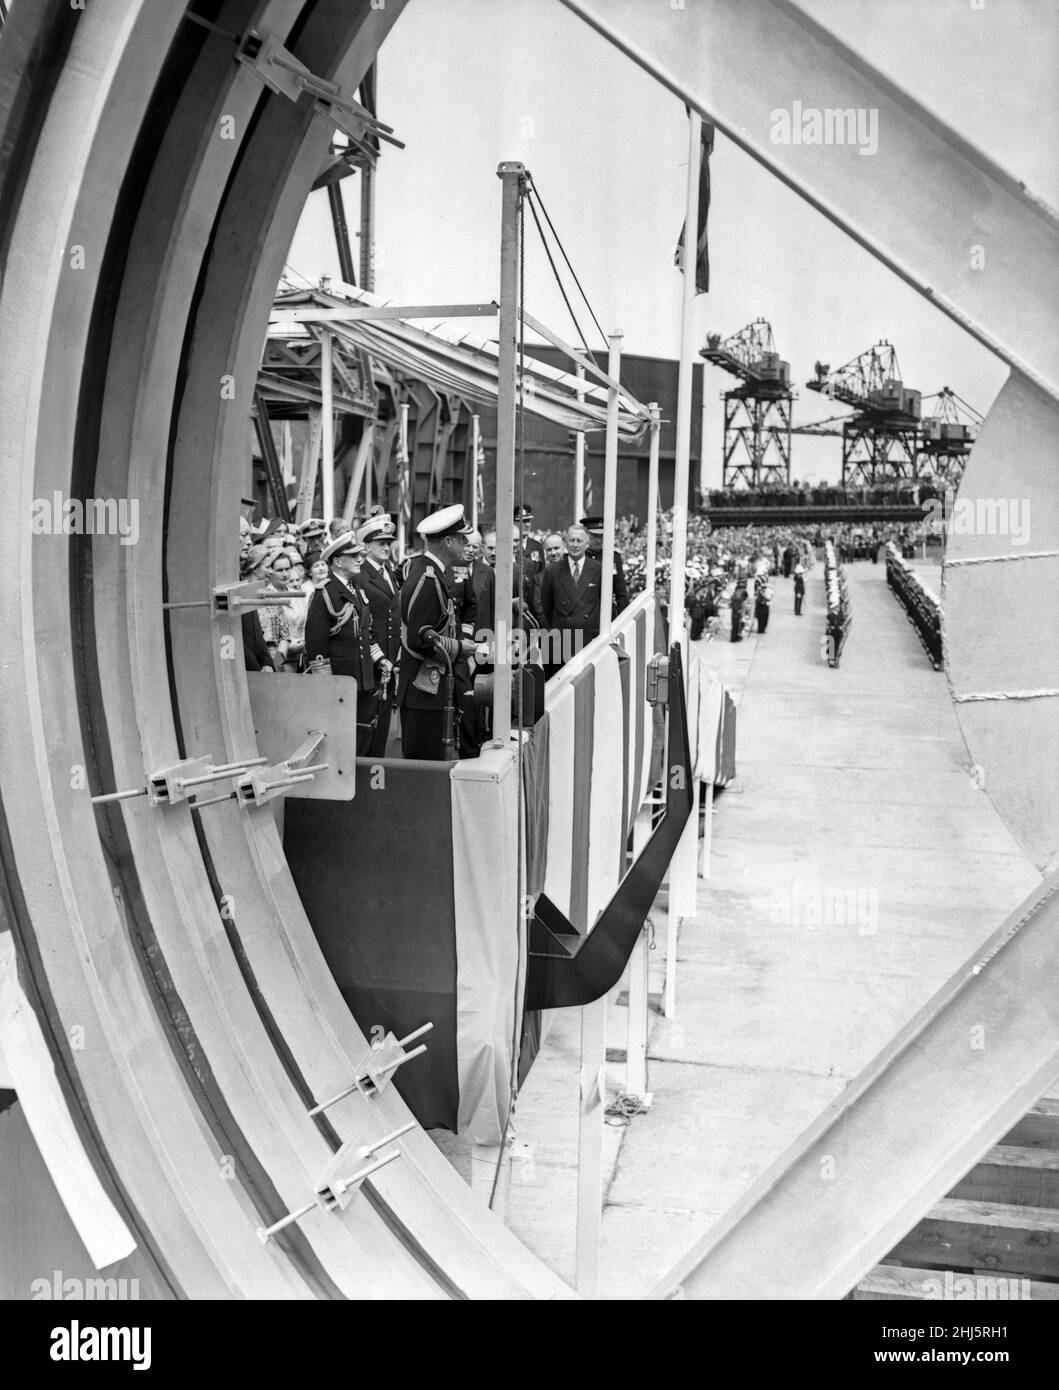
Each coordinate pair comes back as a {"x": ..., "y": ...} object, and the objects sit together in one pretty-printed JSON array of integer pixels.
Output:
[
  {"x": 921, "y": 607},
  {"x": 839, "y": 612}
]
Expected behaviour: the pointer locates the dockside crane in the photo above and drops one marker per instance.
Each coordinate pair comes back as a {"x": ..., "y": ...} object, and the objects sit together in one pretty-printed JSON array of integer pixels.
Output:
[
  {"x": 757, "y": 414},
  {"x": 880, "y": 440},
  {"x": 946, "y": 436}
]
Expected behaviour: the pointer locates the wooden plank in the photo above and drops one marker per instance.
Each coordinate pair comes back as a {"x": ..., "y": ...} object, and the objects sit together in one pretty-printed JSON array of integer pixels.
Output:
[
  {"x": 1027, "y": 1177},
  {"x": 1038, "y": 1128},
  {"x": 985, "y": 1235},
  {"x": 894, "y": 1283}
]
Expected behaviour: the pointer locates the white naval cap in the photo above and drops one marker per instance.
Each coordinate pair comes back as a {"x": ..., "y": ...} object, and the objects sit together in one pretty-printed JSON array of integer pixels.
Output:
[
  {"x": 449, "y": 521},
  {"x": 345, "y": 544},
  {"x": 377, "y": 528}
]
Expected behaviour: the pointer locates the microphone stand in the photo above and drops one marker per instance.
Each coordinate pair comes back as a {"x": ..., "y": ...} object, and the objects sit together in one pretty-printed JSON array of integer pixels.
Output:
[{"x": 448, "y": 728}]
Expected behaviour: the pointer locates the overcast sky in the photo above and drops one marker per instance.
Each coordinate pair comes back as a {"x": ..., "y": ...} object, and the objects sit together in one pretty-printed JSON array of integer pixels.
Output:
[{"x": 468, "y": 83}]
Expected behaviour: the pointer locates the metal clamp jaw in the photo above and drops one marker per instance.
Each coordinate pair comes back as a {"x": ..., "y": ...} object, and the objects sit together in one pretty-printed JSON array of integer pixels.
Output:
[
  {"x": 171, "y": 785},
  {"x": 282, "y": 73},
  {"x": 375, "y": 1070},
  {"x": 250, "y": 593},
  {"x": 265, "y": 784},
  {"x": 333, "y": 1191}
]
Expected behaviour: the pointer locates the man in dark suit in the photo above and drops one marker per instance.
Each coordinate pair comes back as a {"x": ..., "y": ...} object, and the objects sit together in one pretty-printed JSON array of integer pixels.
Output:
[
  {"x": 620, "y": 595},
  {"x": 338, "y": 630},
  {"x": 570, "y": 595},
  {"x": 384, "y": 596},
  {"x": 429, "y": 635},
  {"x": 483, "y": 583}
]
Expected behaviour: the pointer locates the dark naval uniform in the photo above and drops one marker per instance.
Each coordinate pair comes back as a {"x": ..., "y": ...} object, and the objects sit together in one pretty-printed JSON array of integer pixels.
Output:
[
  {"x": 425, "y": 603},
  {"x": 384, "y": 596},
  {"x": 535, "y": 560},
  {"x": 339, "y": 629},
  {"x": 620, "y": 590}
]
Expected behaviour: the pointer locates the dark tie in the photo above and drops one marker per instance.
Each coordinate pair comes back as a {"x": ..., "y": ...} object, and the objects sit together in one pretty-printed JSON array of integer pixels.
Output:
[{"x": 577, "y": 571}]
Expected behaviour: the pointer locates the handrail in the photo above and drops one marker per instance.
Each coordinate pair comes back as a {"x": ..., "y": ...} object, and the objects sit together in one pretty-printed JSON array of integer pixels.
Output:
[
  {"x": 592, "y": 963},
  {"x": 580, "y": 660}
]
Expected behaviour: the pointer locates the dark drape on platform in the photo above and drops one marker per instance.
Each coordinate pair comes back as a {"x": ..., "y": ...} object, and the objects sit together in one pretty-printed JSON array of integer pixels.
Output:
[{"x": 375, "y": 877}]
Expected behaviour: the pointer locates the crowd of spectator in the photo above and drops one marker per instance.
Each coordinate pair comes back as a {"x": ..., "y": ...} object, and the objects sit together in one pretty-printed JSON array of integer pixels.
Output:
[
  {"x": 730, "y": 575},
  {"x": 896, "y": 493}
]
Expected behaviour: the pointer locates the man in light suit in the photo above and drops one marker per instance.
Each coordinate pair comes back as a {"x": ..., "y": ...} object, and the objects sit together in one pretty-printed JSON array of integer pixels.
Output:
[{"x": 570, "y": 596}]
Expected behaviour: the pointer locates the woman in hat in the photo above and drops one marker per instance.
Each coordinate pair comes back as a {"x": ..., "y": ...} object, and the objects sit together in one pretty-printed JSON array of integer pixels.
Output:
[
  {"x": 256, "y": 654},
  {"x": 275, "y": 617}
]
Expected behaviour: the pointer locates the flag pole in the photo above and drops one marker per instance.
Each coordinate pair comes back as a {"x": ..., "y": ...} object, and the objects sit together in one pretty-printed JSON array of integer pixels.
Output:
[
  {"x": 685, "y": 389},
  {"x": 610, "y": 488},
  {"x": 678, "y": 869}
]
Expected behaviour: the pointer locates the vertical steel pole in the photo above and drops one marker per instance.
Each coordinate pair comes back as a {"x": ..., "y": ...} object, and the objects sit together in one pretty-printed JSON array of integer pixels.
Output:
[
  {"x": 476, "y": 437},
  {"x": 593, "y": 1101},
  {"x": 684, "y": 394},
  {"x": 310, "y": 461},
  {"x": 610, "y": 487},
  {"x": 327, "y": 420},
  {"x": 360, "y": 463},
  {"x": 579, "y": 458},
  {"x": 404, "y": 500},
  {"x": 652, "y": 495},
  {"x": 512, "y": 176},
  {"x": 636, "y": 1080},
  {"x": 679, "y": 553},
  {"x": 341, "y": 230},
  {"x": 594, "y": 1016},
  {"x": 367, "y": 227}
]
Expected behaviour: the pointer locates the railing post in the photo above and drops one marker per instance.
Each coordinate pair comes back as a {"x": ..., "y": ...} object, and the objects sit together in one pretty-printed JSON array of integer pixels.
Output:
[
  {"x": 652, "y": 495},
  {"x": 610, "y": 488}
]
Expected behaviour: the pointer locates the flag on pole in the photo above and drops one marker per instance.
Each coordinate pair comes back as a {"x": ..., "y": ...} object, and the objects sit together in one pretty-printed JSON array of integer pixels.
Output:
[{"x": 702, "y": 250}]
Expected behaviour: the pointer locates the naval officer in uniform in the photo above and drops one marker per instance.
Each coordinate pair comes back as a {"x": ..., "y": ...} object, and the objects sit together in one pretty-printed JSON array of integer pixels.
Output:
[
  {"x": 620, "y": 591},
  {"x": 429, "y": 634},
  {"x": 533, "y": 557},
  {"x": 384, "y": 595},
  {"x": 338, "y": 630}
]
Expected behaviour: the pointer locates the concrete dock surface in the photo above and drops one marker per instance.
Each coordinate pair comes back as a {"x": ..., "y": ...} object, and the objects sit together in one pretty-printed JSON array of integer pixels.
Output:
[{"x": 856, "y": 863}]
